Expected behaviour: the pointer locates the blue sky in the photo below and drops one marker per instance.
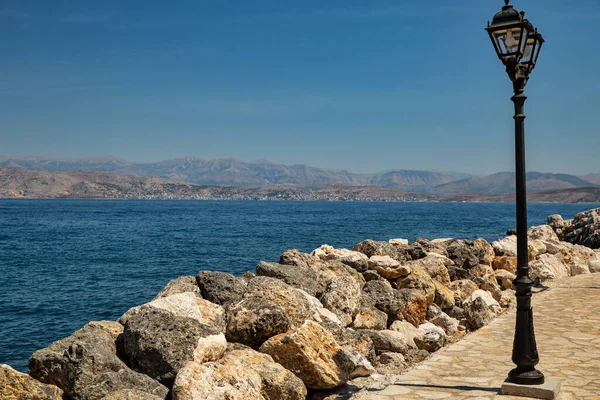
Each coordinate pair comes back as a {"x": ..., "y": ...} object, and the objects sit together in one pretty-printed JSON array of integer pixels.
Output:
[{"x": 360, "y": 85}]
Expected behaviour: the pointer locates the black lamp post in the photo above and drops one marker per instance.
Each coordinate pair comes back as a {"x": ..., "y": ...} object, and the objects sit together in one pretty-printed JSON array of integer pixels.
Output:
[{"x": 518, "y": 45}]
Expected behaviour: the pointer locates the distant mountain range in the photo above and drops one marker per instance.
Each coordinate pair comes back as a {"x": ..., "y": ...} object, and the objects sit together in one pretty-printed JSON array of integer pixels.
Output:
[
  {"x": 265, "y": 174},
  {"x": 31, "y": 184}
]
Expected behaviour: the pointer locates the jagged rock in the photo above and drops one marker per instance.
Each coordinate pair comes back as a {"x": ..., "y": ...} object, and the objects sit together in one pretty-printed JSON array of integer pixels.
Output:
[
  {"x": 360, "y": 366},
  {"x": 398, "y": 242},
  {"x": 543, "y": 233},
  {"x": 269, "y": 307},
  {"x": 182, "y": 284},
  {"x": 407, "y": 330},
  {"x": 388, "y": 267},
  {"x": 436, "y": 246},
  {"x": 506, "y": 263},
  {"x": 161, "y": 336},
  {"x": 457, "y": 273},
  {"x": 418, "y": 279},
  {"x": 559, "y": 226},
  {"x": 482, "y": 271},
  {"x": 436, "y": 267},
  {"x": 507, "y": 299},
  {"x": 242, "y": 374},
  {"x": 354, "y": 340},
  {"x": 370, "y": 318},
  {"x": 436, "y": 316},
  {"x": 505, "y": 279},
  {"x": 444, "y": 297},
  {"x": 468, "y": 254},
  {"x": 457, "y": 313},
  {"x": 594, "y": 266},
  {"x": 391, "y": 363},
  {"x": 463, "y": 288},
  {"x": 389, "y": 341},
  {"x": 508, "y": 247},
  {"x": 342, "y": 297},
  {"x": 296, "y": 257},
  {"x": 415, "y": 307},
  {"x": 300, "y": 277},
  {"x": 86, "y": 367},
  {"x": 312, "y": 354},
  {"x": 372, "y": 248},
  {"x": 353, "y": 259},
  {"x": 129, "y": 394},
  {"x": 547, "y": 267},
  {"x": 379, "y": 293},
  {"x": 219, "y": 287},
  {"x": 489, "y": 285},
  {"x": 416, "y": 252},
  {"x": 432, "y": 337},
  {"x": 15, "y": 385},
  {"x": 480, "y": 309}
]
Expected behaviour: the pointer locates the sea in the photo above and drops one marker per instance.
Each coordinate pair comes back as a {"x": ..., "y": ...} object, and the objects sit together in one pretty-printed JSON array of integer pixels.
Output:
[{"x": 64, "y": 263}]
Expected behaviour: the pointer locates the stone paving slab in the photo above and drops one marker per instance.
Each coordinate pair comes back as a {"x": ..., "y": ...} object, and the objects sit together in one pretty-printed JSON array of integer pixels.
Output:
[{"x": 567, "y": 327}]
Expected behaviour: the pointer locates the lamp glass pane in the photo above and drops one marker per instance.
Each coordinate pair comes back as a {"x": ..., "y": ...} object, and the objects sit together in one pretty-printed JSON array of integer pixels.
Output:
[
  {"x": 508, "y": 40},
  {"x": 529, "y": 50},
  {"x": 536, "y": 51}
]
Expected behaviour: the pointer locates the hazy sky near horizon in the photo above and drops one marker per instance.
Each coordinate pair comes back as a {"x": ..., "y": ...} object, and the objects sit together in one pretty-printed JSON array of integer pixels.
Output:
[{"x": 360, "y": 85}]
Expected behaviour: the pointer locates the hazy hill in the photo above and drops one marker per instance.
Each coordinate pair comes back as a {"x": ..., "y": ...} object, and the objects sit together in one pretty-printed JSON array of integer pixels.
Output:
[
  {"x": 234, "y": 172},
  {"x": 593, "y": 178},
  {"x": 504, "y": 183},
  {"x": 417, "y": 181}
]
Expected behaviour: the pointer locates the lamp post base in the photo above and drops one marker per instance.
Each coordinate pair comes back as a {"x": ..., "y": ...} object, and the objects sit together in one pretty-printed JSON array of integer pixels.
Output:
[
  {"x": 548, "y": 390},
  {"x": 530, "y": 377}
]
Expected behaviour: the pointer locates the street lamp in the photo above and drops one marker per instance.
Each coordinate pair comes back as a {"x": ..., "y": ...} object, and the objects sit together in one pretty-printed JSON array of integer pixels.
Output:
[{"x": 518, "y": 44}]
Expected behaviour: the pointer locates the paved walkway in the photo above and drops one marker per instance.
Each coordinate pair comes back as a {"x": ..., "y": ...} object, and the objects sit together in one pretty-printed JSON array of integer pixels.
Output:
[{"x": 567, "y": 327}]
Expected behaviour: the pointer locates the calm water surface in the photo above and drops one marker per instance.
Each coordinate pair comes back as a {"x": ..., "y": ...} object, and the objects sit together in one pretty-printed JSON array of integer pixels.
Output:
[{"x": 66, "y": 262}]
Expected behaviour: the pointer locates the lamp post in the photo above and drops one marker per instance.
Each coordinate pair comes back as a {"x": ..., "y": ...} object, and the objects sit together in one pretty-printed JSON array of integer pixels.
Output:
[{"x": 518, "y": 44}]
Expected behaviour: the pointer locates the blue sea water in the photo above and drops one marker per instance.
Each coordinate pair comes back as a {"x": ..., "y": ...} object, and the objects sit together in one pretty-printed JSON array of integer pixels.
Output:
[{"x": 66, "y": 262}]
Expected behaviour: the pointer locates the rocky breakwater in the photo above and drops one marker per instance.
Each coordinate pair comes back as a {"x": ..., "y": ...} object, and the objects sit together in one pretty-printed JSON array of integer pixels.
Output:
[{"x": 301, "y": 327}]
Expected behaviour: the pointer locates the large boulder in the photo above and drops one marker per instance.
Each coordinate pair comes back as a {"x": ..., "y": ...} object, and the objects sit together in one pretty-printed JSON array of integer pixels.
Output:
[
  {"x": 506, "y": 263},
  {"x": 480, "y": 309},
  {"x": 370, "y": 318},
  {"x": 444, "y": 297},
  {"x": 505, "y": 279},
  {"x": 219, "y": 287},
  {"x": 467, "y": 254},
  {"x": 436, "y": 316},
  {"x": 463, "y": 288},
  {"x": 436, "y": 266},
  {"x": 15, "y": 385},
  {"x": 548, "y": 266},
  {"x": 300, "y": 277},
  {"x": 432, "y": 337},
  {"x": 296, "y": 257},
  {"x": 342, "y": 297},
  {"x": 559, "y": 225},
  {"x": 419, "y": 279},
  {"x": 161, "y": 336},
  {"x": 391, "y": 363},
  {"x": 415, "y": 306},
  {"x": 390, "y": 341},
  {"x": 85, "y": 366},
  {"x": 182, "y": 284},
  {"x": 131, "y": 394},
  {"x": 269, "y": 307},
  {"x": 312, "y": 354},
  {"x": 354, "y": 259},
  {"x": 408, "y": 331},
  {"x": 585, "y": 229},
  {"x": 241, "y": 373},
  {"x": 381, "y": 295},
  {"x": 372, "y": 248},
  {"x": 388, "y": 267}
]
